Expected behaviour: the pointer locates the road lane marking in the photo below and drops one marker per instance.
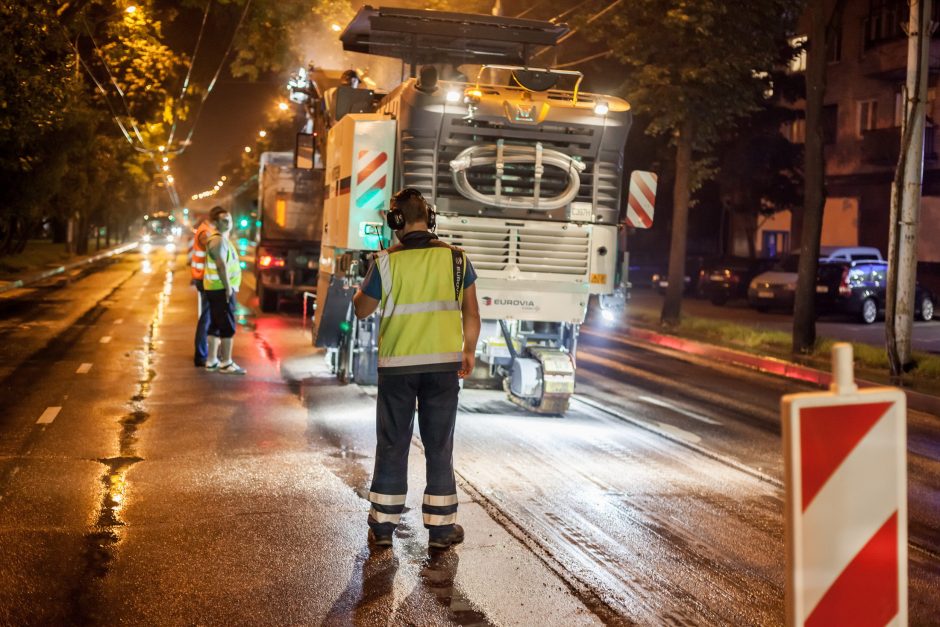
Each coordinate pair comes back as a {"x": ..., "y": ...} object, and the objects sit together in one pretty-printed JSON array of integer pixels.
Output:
[
  {"x": 105, "y": 339},
  {"x": 83, "y": 369},
  {"x": 119, "y": 321},
  {"x": 48, "y": 416},
  {"x": 679, "y": 410}
]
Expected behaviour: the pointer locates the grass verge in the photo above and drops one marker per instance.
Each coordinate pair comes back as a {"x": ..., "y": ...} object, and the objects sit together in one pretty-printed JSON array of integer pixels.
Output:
[{"x": 871, "y": 362}]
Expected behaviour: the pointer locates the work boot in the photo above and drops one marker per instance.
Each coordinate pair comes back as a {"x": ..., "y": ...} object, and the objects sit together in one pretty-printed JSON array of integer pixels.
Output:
[
  {"x": 444, "y": 537},
  {"x": 379, "y": 539}
]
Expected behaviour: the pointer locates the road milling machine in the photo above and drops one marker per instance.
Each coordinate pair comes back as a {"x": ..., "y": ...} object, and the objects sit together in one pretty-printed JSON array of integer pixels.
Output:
[{"x": 524, "y": 170}]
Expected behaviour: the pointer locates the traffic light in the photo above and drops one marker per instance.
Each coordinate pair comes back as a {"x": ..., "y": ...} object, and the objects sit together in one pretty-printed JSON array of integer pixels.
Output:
[{"x": 243, "y": 223}]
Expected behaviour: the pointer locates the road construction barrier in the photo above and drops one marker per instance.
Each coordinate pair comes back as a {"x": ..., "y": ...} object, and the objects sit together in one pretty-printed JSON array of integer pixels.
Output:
[{"x": 845, "y": 455}]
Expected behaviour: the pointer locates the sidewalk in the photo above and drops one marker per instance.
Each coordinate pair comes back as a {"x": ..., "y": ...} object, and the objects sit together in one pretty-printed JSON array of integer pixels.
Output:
[{"x": 46, "y": 261}]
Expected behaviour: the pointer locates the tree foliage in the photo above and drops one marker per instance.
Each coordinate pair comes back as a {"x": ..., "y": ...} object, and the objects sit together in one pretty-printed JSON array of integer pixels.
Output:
[
  {"x": 85, "y": 98},
  {"x": 695, "y": 67}
]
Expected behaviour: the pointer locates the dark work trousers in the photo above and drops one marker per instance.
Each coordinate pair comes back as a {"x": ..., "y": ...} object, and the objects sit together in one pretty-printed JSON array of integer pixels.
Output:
[
  {"x": 435, "y": 394},
  {"x": 222, "y": 313},
  {"x": 202, "y": 326}
]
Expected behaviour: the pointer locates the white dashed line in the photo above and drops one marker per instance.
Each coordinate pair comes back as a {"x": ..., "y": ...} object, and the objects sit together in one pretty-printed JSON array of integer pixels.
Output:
[
  {"x": 83, "y": 369},
  {"x": 119, "y": 321},
  {"x": 105, "y": 339},
  {"x": 49, "y": 415}
]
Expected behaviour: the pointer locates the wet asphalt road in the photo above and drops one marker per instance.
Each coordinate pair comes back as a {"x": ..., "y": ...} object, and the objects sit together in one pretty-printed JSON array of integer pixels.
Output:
[{"x": 160, "y": 494}]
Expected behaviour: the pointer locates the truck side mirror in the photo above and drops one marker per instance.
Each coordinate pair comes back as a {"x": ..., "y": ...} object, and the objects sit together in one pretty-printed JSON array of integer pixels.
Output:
[
  {"x": 641, "y": 203},
  {"x": 304, "y": 151}
]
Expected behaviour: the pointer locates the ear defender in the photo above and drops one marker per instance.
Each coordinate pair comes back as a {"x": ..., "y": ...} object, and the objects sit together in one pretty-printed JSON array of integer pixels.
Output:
[{"x": 396, "y": 218}]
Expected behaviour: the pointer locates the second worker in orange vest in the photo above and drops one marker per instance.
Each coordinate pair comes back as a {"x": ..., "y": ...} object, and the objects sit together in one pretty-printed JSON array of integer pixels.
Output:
[{"x": 197, "y": 266}]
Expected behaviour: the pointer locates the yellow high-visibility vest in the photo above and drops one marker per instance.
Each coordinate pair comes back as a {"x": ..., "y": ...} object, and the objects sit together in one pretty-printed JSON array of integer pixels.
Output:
[
  {"x": 212, "y": 280},
  {"x": 421, "y": 328}
]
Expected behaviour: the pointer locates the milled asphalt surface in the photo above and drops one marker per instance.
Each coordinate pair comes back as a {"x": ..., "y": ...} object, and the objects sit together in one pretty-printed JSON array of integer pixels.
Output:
[{"x": 162, "y": 494}]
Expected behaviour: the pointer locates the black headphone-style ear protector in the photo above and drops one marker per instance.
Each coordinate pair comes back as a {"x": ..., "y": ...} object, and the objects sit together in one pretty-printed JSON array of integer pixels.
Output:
[{"x": 396, "y": 218}]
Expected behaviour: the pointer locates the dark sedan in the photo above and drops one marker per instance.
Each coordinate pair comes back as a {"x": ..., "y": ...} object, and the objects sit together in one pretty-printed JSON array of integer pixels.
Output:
[
  {"x": 858, "y": 288},
  {"x": 726, "y": 279}
]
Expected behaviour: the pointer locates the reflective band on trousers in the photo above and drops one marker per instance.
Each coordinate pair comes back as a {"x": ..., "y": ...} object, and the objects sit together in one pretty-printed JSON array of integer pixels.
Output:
[
  {"x": 382, "y": 517},
  {"x": 386, "y": 499},
  {"x": 435, "y": 520},
  {"x": 420, "y": 360},
  {"x": 440, "y": 501}
]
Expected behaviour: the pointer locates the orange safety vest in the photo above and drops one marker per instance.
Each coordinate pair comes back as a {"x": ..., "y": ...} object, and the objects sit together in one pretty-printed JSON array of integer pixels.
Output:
[{"x": 198, "y": 263}]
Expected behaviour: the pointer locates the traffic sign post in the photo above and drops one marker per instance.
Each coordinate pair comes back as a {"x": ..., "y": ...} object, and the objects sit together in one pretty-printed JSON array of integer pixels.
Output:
[{"x": 845, "y": 454}]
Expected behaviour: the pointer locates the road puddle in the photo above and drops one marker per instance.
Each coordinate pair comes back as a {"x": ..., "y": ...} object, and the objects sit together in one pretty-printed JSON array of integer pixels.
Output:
[{"x": 102, "y": 541}]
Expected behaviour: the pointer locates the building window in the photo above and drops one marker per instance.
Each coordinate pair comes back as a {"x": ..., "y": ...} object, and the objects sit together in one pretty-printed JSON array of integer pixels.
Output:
[
  {"x": 834, "y": 51},
  {"x": 830, "y": 123},
  {"x": 884, "y": 21},
  {"x": 795, "y": 131},
  {"x": 798, "y": 62},
  {"x": 867, "y": 116}
]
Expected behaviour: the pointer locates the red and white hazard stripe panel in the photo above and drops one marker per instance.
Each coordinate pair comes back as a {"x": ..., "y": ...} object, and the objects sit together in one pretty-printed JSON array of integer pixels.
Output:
[
  {"x": 371, "y": 179},
  {"x": 846, "y": 508},
  {"x": 641, "y": 203}
]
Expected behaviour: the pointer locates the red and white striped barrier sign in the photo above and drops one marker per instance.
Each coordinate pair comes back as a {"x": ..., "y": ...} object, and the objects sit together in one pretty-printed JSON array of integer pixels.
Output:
[
  {"x": 845, "y": 457},
  {"x": 641, "y": 203}
]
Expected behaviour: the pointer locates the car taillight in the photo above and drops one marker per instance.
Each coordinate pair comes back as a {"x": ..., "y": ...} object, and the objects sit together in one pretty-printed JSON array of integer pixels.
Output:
[
  {"x": 269, "y": 261},
  {"x": 844, "y": 289}
]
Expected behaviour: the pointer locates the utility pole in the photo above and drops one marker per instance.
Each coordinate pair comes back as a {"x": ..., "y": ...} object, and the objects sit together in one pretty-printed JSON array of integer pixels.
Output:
[{"x": 905, "y": 194}]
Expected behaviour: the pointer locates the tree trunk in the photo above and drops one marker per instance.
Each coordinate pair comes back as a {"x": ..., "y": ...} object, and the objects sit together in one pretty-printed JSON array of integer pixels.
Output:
[
  {"x": 804, "y": 307},
  {"x": 672, "y": 305}
]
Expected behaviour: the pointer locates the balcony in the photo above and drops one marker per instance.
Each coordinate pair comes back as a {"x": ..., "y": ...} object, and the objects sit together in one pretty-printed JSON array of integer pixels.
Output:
[{"x": 881, "y": 147}]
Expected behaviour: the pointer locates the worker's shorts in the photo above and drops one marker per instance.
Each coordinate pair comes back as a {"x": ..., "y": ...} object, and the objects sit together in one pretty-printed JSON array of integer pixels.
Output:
[{"x": 221, "y": 313}]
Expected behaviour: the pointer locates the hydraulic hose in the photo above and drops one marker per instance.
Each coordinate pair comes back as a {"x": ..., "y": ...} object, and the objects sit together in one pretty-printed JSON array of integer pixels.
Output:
[{"x": 498, "y": 155}]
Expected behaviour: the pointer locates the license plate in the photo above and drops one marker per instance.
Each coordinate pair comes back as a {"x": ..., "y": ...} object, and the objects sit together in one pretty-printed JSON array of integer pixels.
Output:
[
  {"x": 763, "y": 294},
  {"x": 822, "y": 289}
]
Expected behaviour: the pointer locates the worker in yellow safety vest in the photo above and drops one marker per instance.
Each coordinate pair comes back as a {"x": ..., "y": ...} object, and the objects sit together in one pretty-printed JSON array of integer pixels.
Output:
[
  {"x": 428, "y": 330},
  {"x": 221, "y": 282},
  {"x": 197, "y": 267}
]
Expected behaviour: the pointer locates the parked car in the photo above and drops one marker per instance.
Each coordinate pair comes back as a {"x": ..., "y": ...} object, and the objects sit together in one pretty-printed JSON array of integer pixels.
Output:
[
  {"x": 775, "y": 288},
  {"x": 694, "y": 277},
  {"x": 728, "y": 278},
  {"x": 858, "y": 288},
  {"x": 849, "y": 253}
]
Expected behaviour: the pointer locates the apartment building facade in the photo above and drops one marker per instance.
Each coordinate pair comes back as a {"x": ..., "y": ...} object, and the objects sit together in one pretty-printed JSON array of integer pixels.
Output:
[{"x": 862, "y": 118}]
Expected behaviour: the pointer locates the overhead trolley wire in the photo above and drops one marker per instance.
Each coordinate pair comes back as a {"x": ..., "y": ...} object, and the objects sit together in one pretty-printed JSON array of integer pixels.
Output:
[
  {"x": 189, "y": 72},
  {"x": 185, "y": 143}
]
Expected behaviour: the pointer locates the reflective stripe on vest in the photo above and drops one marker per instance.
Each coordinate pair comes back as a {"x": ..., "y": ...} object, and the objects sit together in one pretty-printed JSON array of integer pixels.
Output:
[
  {"x": 421, "y": 329},
  {"x": 212, "y": 281},
  {"x": 198, "y": 265}
]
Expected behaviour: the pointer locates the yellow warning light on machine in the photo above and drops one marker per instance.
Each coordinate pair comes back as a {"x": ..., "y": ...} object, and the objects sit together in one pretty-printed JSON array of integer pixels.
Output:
[
  {"x": 280, "y": 212},
  {"x": 598, "y": 279}
]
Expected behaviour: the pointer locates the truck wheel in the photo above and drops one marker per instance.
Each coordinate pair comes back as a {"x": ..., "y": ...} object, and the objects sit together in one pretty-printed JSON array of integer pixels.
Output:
[{"x": 267, "y": 299}]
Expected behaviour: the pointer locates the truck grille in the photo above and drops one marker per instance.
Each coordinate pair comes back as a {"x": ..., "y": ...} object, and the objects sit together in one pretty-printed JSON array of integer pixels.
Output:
[
  {"x": 433, "y": 177},
  {"x": 527, "y": 249}
]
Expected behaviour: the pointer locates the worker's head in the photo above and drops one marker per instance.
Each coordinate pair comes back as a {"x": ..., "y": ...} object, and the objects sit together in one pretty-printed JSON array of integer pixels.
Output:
[
  {"x": 221, "y": 219},
  {"x": 410, "y": 210},
  {"x": 350, "y": 78}
]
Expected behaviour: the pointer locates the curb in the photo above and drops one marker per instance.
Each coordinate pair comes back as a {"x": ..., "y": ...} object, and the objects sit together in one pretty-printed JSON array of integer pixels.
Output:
[
  {"x": 35, "y": 278},
  {"x": 915, "y": 400}
]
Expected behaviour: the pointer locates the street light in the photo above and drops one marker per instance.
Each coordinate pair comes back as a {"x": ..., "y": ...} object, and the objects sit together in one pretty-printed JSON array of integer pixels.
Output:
[
  {"x": 335, "y": 27},
  {"x": 166, "y": 159},
  {"x": 262, "y": 133},
  {"x": 282, "y": 106},
  {"x": 166, "y": 168},
  {"x": 161, "y": 148},
  {"x": 247, "y": 148},
  {"x": 169, "y": 178},
  {"x": 223, "y": 178},
  {"x": 131, "y": 10}
]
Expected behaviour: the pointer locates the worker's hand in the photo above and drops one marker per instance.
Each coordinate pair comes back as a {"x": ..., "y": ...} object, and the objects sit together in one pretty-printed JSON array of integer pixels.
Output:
[
  {"x": 229, "y": 293},
  {"x": 469, "y": 361}
]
